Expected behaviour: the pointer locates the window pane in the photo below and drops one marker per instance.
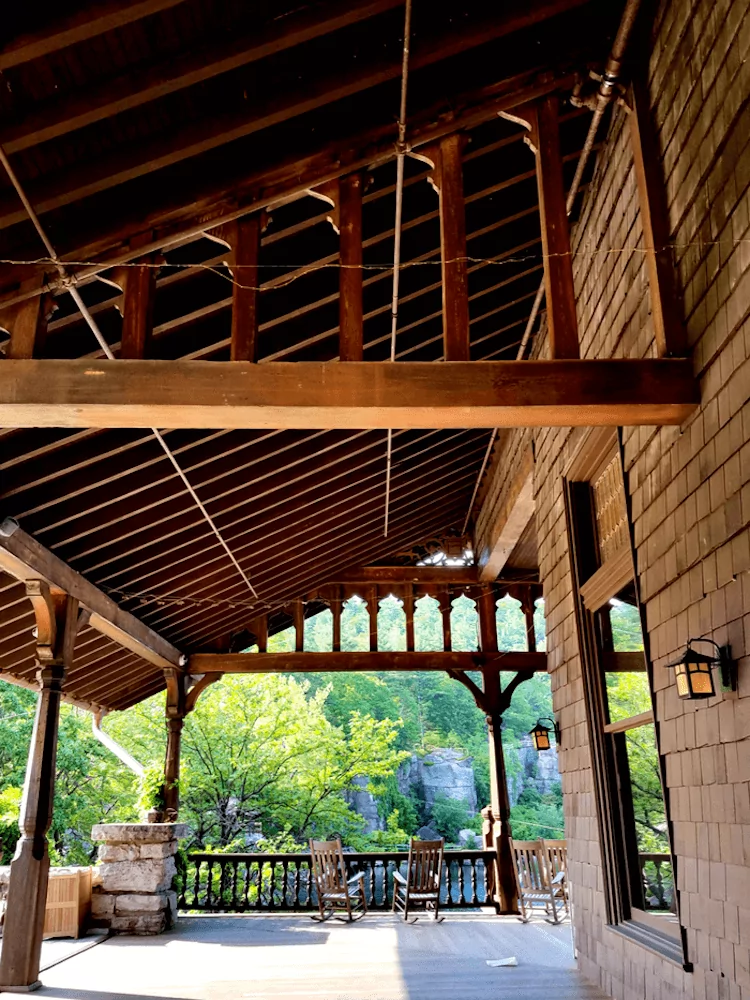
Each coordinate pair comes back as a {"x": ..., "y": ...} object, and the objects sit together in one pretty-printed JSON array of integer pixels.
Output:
[
  {"x": 625, "y": 623},
  {"x": 627, "y": 695},
  {"x": 649, "y": 820}
]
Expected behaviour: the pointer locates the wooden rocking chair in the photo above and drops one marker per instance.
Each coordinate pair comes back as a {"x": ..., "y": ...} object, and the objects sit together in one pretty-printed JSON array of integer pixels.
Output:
[
  {"x": 336, "y": 891},
  {"x": 422, "y": 884},
  {"x": 535, "y": 882}
]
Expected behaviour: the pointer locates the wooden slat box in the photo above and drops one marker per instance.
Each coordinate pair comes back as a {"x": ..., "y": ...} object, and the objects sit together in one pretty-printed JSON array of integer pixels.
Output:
[{"x": 68, "y": 902}]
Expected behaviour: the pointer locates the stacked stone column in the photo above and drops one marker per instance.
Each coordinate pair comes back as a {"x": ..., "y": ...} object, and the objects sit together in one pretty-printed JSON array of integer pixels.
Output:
[{"x": 133, "y": 883}]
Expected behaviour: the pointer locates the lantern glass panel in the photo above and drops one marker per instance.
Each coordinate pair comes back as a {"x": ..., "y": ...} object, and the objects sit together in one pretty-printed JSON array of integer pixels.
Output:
[{"x": 541, "y": 738}]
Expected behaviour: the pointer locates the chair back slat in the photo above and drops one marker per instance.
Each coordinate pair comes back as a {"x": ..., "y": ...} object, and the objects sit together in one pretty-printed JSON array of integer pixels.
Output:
[
  {"x": 530, "y": 865},
  {"x": 329, "y": 869},
  {"x": 556, "y": 857},
  {"x": 425, "y": 864}
]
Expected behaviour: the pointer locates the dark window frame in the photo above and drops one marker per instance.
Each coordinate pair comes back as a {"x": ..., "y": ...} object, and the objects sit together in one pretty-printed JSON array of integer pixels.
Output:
[{"x": 614, "y": 808}]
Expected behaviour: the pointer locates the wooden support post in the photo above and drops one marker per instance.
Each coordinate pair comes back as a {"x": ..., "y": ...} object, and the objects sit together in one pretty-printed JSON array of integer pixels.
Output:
[
  {"x": 245, "y": 236},
  {"x": 449, "y": 179},
  {"x": 487, "y": 620},
  {"x": 444, "y": 596},
  {"x": 507, "y": 886},
  {"x": 26, "y": 322},
  {"x": 669, "y": 329},
  {"x": 336, "y": 609},
  {"x": 526, "y": 597},
  {"x": 350, "y": 278},
  {"x": 371, "y": 596},
  {"x": 558, "y": 266},
  {"x": 57, "y": 624},
  {"x": 175, "y": 718},
  {"x": 409, "y": 613},
  {"x": 298, "y": 614},
  {"x": 259, "y": 628},
  {"x": 139, "y": 289}
]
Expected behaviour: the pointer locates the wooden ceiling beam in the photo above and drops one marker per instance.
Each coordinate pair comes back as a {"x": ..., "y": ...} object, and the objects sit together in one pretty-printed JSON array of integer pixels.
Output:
[
  {"x": 199, "y": 394},
  {"x": 93, "y": 20},
  {"x": 22, "y": 557},
  {"x": 408, "y": 574},
  {"x": 276, "y": 663},
  {"x": 134, "y": 89}
]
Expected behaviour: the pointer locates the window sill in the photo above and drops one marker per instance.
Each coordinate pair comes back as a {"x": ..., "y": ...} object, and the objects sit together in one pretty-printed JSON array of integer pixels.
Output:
[{"x": 663, "y": 945}]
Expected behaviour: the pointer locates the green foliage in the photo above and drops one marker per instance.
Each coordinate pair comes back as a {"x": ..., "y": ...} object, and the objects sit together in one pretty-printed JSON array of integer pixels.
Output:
[
  {"x": 536, "y": 815},
  {"x": 10, "y": 805},
  {"x": 449, "y": 816},
  {"x": 151, "y": 790},
  {"x": 261, "y": 749}
]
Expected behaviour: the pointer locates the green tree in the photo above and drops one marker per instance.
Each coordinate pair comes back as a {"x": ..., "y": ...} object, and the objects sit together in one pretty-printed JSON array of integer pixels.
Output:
[{"x": 261, "y": 748}]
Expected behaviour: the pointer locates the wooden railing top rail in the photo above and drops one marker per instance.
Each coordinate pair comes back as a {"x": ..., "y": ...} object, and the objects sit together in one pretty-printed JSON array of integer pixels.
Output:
[{"x": 348, "y": 855}]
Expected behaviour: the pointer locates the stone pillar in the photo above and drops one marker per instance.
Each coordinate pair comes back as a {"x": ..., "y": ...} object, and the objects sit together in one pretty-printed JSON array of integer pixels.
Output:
[{"x": 133, "y": 883}]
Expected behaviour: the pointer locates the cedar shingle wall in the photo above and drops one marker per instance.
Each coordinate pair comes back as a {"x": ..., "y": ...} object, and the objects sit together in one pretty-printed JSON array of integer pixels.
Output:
[{"x": 690, "y": 490}]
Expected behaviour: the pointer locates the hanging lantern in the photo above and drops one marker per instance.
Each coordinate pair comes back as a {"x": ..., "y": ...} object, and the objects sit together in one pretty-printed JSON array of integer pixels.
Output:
[
  {"x": 540, "y": 734},
  {"x": 693, "y": 671}
]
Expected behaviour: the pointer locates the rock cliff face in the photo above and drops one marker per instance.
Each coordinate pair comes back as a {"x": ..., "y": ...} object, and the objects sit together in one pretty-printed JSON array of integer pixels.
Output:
[
  {"x": 538, "y": 770},
  {"x": 442, "y": 772},
  {"x": 364, "y": 803}
]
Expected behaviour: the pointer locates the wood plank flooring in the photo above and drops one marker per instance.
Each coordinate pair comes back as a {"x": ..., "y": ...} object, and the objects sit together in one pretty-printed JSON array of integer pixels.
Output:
[{"x": 288, "y": 958}]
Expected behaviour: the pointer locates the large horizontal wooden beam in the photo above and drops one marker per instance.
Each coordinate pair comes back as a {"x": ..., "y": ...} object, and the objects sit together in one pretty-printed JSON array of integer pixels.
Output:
[
  {"x": 304, "y": 395},
  {"x": 409, "y": 574},
  {"x": 22, "y": 557},
  {"x": 292, "y": 663}
]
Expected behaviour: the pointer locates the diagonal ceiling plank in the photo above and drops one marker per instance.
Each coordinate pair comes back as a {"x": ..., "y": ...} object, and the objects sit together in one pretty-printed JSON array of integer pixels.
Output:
[
  {"x": 133, "y": 89},
  {"x": 93, "y": 20},
  {"x": 144, "y": 158}
]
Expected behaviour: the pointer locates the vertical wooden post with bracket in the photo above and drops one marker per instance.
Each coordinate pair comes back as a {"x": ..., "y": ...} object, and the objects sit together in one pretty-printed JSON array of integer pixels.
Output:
[
  {"x": 350, "y": 260},
  {"x": 494, "y": 702},
  {"x": 181, "y": 700},
  {"x": 562, "y": 322},
  {"x": 449, "y": 182},
  {"x": 138, "y": 282},
  {"x": 56, "y": 623},
  {"x": 666, "y": 314}
]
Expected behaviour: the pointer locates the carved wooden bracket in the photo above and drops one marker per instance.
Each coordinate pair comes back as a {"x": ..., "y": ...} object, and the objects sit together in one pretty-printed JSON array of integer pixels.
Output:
[
  {"x": 493, "y": 706},
  {"x": 198, "y": 688},
  {"x": 57, "y": 623}
]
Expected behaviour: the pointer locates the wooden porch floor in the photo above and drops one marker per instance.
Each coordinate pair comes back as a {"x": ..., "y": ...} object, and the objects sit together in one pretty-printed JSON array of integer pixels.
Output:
[{"x": 287, "y": 958}]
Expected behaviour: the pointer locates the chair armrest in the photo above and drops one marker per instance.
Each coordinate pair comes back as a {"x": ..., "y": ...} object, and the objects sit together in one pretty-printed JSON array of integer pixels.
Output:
[
  {"x": 559, "y": 878},
  {"x": 398, "y": 877},
  {"x": 355, "y": 878}
]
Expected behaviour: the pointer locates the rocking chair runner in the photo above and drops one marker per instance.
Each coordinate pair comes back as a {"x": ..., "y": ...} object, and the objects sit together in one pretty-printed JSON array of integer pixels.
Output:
[
  {"x": 422, "y": 884},
  {"x": 336, "y": 891}
]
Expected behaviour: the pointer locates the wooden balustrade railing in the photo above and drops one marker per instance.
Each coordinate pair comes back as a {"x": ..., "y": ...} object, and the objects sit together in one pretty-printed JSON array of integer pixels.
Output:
[
  {"x": 246, "y": 883},
  {"x": 658, "y": 881}
]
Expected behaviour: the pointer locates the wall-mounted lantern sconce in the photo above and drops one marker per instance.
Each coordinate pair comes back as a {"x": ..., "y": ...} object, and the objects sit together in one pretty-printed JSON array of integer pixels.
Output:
[
  {"x": 540, "y": 734},
  {"x": 693, "y": 671}
]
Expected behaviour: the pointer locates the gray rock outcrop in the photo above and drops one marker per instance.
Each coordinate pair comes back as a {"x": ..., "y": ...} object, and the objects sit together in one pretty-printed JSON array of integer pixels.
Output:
[
  {"x": 365, "y": 804},
  {"x": 443, "y": 772}
]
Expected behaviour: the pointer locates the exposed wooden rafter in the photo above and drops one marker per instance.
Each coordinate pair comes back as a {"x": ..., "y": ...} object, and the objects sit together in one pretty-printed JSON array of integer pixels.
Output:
[{"x": 23, "y": 558}]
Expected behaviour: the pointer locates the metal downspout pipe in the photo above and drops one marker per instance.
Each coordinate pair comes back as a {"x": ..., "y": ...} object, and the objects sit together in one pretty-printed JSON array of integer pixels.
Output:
[{"x": 602, "y": 100}]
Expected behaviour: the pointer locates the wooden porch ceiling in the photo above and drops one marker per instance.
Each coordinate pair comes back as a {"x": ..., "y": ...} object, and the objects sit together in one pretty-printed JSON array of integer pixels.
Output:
[{"x": 135, "y": 130}]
